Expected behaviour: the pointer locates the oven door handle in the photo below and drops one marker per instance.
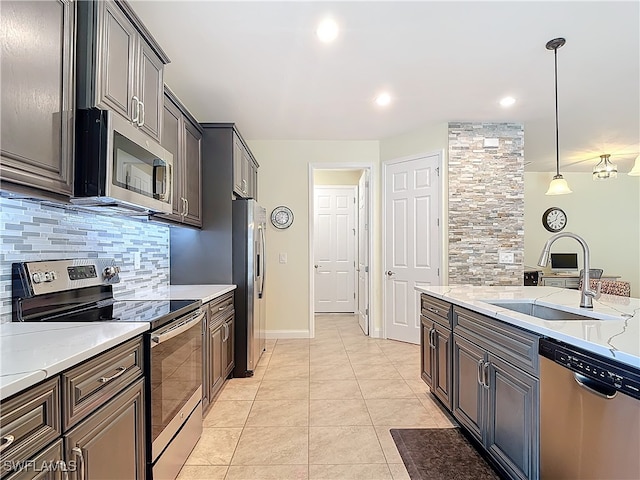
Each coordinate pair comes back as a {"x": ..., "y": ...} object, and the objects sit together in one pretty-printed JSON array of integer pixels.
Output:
[{"x": 176, "y": 329}]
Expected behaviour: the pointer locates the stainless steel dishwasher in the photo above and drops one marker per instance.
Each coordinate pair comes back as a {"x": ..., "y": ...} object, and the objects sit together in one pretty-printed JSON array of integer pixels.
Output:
[{"x": 589, "y": 415}]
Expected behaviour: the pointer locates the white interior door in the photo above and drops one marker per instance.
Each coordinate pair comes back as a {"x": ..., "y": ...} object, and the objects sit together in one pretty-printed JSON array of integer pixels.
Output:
[
  {"x": 334, "y": 249},
  {"x": 363, "y": 253},
  {"x": 412, "y": 242}
]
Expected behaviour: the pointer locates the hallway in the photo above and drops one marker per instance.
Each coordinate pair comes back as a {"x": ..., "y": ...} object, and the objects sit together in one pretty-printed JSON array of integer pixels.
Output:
[{"x": 317, "y": 408}]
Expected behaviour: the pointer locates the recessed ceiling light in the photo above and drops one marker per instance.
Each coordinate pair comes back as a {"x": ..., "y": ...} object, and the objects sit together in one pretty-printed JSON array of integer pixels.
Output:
[
  {"x": 507, "y": 101},
  {"x": 327, "y": 31},
  {"x": 383, "y": 99}
]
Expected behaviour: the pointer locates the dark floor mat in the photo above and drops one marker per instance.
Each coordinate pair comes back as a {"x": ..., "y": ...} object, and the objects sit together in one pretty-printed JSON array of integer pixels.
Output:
[{"x": 440, "y": 454}]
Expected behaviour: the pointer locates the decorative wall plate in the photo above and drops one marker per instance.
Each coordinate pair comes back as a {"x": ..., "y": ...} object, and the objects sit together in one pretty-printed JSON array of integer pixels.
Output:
[{"x": 282, "y": 217}]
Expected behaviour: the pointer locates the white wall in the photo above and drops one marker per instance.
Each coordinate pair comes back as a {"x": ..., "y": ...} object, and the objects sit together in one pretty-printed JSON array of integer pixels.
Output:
[
  {"x": 336, "y": 177},
  {"x": 284, "y": 180},
  {"x": 605, "y": 213},
  {"x": 426, "y": 139}
]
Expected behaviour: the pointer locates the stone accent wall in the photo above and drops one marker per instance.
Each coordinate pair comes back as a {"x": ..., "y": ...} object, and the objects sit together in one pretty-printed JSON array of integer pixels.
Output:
[
  {"x": 486, "y": 203},
  {"x": 33, "y": 231}
]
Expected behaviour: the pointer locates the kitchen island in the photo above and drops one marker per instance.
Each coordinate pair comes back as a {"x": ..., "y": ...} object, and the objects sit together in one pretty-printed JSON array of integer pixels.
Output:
[
  {"x": 613, "y": 333},
  {"x": 480, "y": 359}
]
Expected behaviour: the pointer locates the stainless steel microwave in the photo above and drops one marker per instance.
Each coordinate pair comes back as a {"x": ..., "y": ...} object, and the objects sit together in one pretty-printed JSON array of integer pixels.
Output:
[{"x": 119, "y": 166}]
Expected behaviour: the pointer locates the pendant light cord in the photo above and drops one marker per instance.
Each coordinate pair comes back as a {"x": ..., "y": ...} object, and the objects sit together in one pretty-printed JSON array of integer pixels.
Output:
[{"x": 555, "y": 55}]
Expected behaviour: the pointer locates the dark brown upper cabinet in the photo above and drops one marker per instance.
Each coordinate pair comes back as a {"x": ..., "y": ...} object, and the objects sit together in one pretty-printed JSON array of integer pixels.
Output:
[
  {"x": 119, "y": 64},
  {"x": 37, "y": 65},
  {"x": 182, "y": 136}
]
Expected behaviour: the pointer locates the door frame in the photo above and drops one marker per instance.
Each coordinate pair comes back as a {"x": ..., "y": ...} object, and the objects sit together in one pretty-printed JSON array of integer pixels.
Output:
[
  {"x": 311, "y": 234},
  {"x": 444, "y": 224}
]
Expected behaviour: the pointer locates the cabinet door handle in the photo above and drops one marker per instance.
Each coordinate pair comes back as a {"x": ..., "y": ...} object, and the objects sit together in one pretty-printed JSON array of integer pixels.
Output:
[
  {"x": 135, "y": 108},
  {"x": 141, "y": 122},
  {"x": 186, "y": 201},
  {"x": 226, "y": 332},
  {"x": 6, "y": 441},
  {"x": 432, "y": 338},
  {"x": 480, "y": 375},
  {"x": 485, "y": 375},
  {"x": 223, "y": 308},
  {"x": 183, "y": 211},
  {"x": 433, "y": 310},
  {"x": 120, "y": 371},
  {"x": 244, "y": 186},
  {"x": 77, "y": 451}
]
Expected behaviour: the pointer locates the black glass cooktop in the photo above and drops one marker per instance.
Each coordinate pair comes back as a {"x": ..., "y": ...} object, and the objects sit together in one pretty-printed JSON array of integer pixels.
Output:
[{"x": 157, "y": 312}]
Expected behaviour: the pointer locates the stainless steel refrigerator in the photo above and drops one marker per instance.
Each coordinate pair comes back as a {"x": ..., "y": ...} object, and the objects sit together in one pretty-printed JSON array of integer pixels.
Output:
[
  {"x": 228, "y": 249},
  {"x": 249, "y": 232}
]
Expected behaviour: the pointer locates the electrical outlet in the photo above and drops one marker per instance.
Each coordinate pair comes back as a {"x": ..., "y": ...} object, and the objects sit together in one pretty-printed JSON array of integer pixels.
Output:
[
  {"x": 506, "y": 257},
  {"x": 136, "y": 260},
  {"x": 282, "y": 258}
]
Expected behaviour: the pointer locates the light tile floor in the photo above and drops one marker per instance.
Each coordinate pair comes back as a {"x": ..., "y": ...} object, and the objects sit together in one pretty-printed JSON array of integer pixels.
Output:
[{"x": 317, "y": 409}]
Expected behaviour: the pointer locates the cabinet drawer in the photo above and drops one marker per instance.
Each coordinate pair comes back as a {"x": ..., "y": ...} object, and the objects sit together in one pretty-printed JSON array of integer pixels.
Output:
[
  {"x": 47, "y": 465},
  {"x": 29, "y": 421},
  {"x": 220, "y": 307},
  {"x": 554, "y": 282},
  {"x": 572, "y": 283},
  {"x": 506, "y": 341},
  {"x": 93, "y": 383},
  {"x": 438, "y": 310}
]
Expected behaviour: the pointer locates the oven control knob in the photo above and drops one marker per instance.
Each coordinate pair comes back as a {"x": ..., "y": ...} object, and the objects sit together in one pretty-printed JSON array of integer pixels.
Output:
[
  {"x": 110, "y": 272},
  {"x": 50, "y": 276},
  {"x": 37, "y": 277}
]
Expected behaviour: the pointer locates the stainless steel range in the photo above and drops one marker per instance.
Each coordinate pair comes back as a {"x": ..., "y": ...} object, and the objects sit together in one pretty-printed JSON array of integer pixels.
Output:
[{"x": 81, "y": 290}]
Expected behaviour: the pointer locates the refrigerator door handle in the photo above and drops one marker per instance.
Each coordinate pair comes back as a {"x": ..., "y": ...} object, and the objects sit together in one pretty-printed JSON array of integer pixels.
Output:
[{"x": 262, "y": 260}]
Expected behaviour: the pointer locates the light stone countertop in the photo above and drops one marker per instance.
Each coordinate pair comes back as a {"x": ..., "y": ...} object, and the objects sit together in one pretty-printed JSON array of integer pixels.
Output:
[
  {"x": 31, "y": 352},
  {"x": 615, "y": 335},
  {"x": 205, "y": 293}
]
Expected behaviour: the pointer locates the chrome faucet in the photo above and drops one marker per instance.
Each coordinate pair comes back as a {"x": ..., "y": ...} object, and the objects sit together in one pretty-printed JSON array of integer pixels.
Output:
[{"x": 587, "y": 294}]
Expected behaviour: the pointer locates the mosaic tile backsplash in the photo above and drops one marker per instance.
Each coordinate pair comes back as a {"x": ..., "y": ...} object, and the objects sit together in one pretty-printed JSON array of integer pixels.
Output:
[{"x": 33, "y": 231}]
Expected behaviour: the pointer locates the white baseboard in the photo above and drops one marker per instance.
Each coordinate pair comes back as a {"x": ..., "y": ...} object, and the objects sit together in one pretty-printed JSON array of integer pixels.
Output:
[{"x": 286, "y": 334}]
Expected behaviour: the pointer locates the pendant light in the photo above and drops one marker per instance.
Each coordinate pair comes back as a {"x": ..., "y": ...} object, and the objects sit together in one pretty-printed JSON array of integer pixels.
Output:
[
  {"x": 604, "y": 169},
  {"x": 558, "y": 185}
]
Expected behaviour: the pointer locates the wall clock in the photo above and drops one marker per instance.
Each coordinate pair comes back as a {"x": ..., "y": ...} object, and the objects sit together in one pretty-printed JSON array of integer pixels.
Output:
[
  {"x": 282, "y": 217},
  {"x": 554, "y": 219}
]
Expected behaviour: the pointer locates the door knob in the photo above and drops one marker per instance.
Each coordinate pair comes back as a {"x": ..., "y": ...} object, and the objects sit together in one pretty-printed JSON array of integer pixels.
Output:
[{"x": 390, "y": 273}]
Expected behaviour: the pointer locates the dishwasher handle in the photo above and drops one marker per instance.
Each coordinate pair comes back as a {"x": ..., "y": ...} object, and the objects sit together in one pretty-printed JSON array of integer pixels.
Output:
[{"x": 595, "y": 387}]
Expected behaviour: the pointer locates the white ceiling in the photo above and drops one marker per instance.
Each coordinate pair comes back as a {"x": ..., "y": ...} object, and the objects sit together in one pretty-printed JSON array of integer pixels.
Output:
[{"x": 260, "y": 65}]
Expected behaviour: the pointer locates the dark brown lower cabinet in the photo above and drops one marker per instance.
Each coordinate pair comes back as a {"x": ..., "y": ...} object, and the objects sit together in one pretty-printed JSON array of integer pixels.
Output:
[
  {"x": 493, "y": 399},
  {"x": 215, "y": 356},
  {"x": 219, "y": 350},
  {"x": 110, "y": 443},
  {"x": 436, "y": 341},
  {"x": 221, "y": 360},
  {"x": 426, "y": 358},
  {"x": 47, "y": 465},
  {"x": 227, "y": 345},
  {"x": 468, "y": 390}
]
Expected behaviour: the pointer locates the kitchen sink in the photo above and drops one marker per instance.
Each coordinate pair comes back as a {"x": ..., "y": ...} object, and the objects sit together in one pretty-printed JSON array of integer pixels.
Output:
[{"x": 540, "y": 311}]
